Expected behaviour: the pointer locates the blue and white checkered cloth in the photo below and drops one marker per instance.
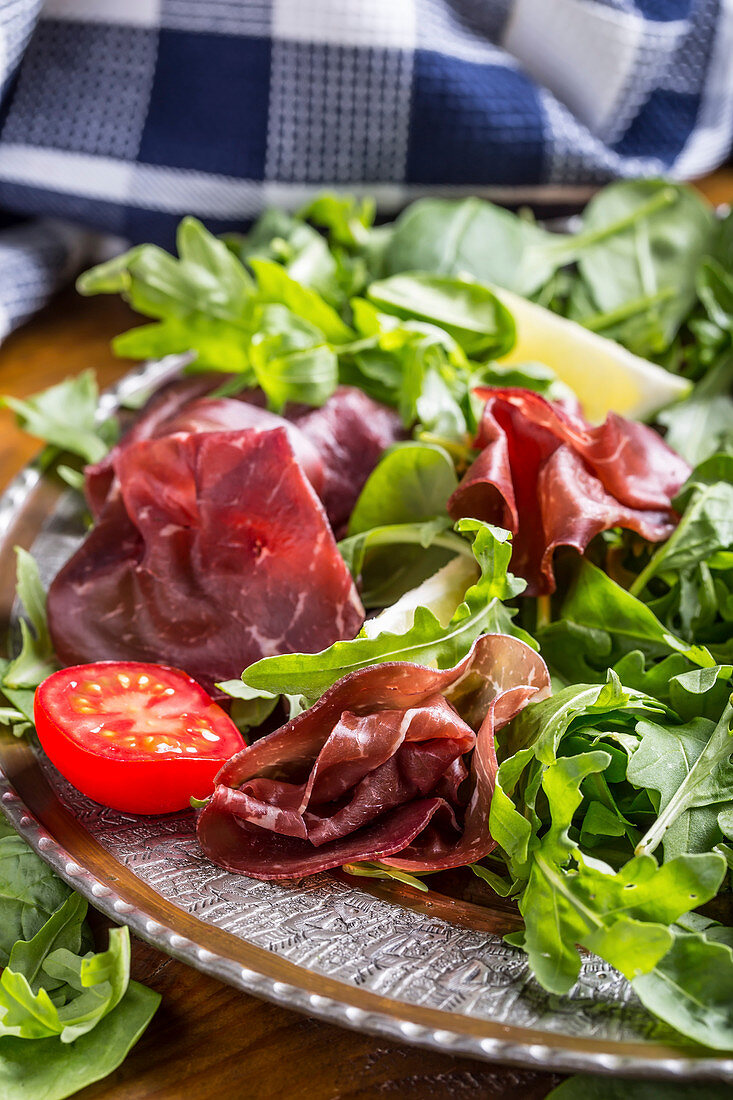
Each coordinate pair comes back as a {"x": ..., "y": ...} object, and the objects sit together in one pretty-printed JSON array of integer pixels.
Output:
[{"x": 122, "y": 115}]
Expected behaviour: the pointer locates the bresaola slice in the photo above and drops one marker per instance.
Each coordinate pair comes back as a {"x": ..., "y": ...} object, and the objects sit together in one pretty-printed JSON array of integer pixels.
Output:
[
  {"x": 374, "y": 770},
  {"x": 212, "y": 550},
  {"x": 554, "y": 480},
  {"x": 338, "y": 444},
  {"x": 350, "y": 433}
]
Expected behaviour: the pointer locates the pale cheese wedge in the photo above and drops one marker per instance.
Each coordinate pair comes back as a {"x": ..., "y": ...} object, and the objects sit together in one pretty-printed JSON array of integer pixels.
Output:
[{"x": 604, "y": 376}]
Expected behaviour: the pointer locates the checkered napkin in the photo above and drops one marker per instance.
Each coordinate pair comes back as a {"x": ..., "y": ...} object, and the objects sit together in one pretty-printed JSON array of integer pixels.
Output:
[{"x": 122, "y": 115}]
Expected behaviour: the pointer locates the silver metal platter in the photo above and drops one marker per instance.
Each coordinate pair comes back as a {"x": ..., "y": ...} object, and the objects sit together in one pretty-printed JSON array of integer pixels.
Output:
[{"x": 427, "y": 970}]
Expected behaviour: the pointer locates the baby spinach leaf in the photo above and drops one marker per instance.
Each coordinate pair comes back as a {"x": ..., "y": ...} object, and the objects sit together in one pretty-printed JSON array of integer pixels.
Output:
[
  {"x": 449, "y": 238},
  {"x": 614, "y": 1088},
  {"x": 347, "y": 218},
  {"x": 52, "y": 1070},
  {"x": 395, "y": 558},
  {"x": 411, "y": 482},
  {"x": 659, "y": 251},
  {"x": 426, "y": 642},
  {"x": 468, "y": 311},
  {"x": 29, "y": 892}
]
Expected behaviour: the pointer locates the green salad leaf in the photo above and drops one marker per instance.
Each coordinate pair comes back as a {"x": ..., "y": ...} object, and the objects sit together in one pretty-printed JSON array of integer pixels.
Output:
[
  {"x": 659, "y": 252},
  {"x": 692, "y": 770},
  {"x": 425, "y": 642},
  {"x": 690, "y": 989},
  {"x": 35, "y": 661},
  {"x": 68, "y": 1016},
  {"x": 65, "y": 416},
  {"x": 46, "y": 1069},
  {"x": 468, "y": 311},
  {"x": 584, "y": 1087},
  {"x": 29, "y": 892}
]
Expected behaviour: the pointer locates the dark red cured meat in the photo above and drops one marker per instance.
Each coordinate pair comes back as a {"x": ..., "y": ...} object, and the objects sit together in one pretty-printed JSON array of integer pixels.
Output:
[
  {"x": 161, "y": 407},
  {"x": 338, "y": 445},
  {"x": 211, "y": 552},
  {"x": 373, "y": 770},
  {"x": 350, "y": 432},
  {"x": 554, "y": 480}
]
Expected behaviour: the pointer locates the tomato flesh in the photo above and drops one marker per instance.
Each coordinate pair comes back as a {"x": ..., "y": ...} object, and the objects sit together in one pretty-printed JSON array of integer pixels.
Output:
[{"x": 137, "y": 737}]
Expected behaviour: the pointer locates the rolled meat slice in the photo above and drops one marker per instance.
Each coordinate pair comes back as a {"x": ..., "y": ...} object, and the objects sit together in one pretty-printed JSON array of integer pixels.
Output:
[{"x": 377, "y": 769}]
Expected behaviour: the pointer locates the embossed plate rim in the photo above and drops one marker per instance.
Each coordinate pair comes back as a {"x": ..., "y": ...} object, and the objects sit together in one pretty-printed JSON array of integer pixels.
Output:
[{"x": 48, "y": 826}]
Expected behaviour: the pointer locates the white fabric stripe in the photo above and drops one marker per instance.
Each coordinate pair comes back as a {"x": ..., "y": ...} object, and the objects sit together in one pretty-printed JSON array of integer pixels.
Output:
[
  {"x": 602, "y": 57},
  {"x": 75, "y": 173},
  {"x": 177, "y": 191},
  {"x": 712, "y": 138},
  {"x": 135, "y": 13},
  {"x": 384, "y": 23}
]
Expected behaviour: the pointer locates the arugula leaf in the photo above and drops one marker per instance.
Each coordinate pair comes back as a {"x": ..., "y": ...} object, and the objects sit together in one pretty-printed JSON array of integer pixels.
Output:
[
  {"x": 705, "y": 528},
  {"x": 534, "y": 741},
  {"x": 702, "y": 424},
  {"x": 291, "y": 359},
  {"x": 35, "y": 1068},
  {"x": 600, "y": 623},
  {"x": 275, "y": 286},
  {"x": 202, "y": 301},
  {"x": 468, "y": 311},
  {"x": 36, "y": 658},
  {"x": 299, "y": 247},
  {"x": 697, "y": 776},
  {"x": 570, "y": 899},
  {"x": 347, "y": 218},
  {"x": 65, "y": 415},
  {"x": 425, "y": 642},
  {"x": 382, "y": 871},
  {"x": 690, "y": 988},
  {"x": 206, "y": 278}
]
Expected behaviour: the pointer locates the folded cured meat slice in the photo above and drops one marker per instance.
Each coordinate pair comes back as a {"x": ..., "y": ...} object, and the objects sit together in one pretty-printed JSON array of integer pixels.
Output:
[
  {"x": 338, "y": 444},
  {"x": 350, "y": 433},
  {"x": 375, "y": 770},
  {"x": 184, "y": 406},
  {"x": 554, "y": 480},
  {"x": 211, "y": 551}
]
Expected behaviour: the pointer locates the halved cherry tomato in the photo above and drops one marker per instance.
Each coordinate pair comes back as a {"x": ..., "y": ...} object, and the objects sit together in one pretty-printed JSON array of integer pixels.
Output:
[{"x": 137, "y": 737}]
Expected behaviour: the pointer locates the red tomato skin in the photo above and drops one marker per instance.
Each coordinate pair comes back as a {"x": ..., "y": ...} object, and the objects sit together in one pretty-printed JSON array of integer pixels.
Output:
[{"x": 141, "y": 786}]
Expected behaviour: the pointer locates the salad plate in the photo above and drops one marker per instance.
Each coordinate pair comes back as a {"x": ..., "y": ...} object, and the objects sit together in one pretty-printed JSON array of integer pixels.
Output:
[{"x": 426, "y": 969}]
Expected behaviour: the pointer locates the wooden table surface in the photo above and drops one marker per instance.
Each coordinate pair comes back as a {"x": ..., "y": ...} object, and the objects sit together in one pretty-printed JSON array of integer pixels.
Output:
[{"x": 208, "y": 1039}]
